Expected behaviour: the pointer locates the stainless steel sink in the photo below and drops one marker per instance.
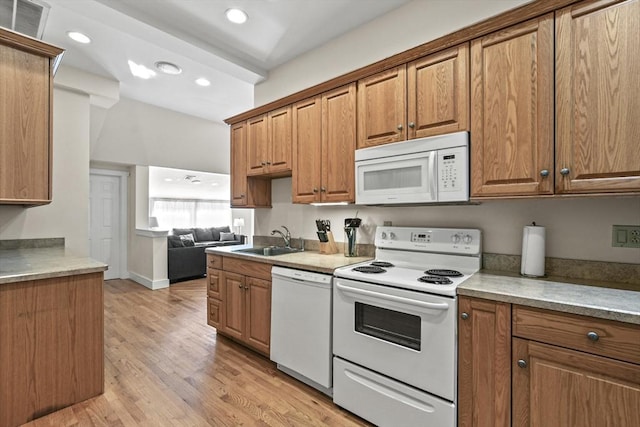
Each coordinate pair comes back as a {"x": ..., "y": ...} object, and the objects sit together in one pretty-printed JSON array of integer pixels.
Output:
[{"x": 268, "y": 251}]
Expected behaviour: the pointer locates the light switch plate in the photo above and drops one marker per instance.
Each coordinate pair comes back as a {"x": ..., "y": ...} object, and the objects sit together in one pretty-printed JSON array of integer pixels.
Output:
[{"x": 626, "y": 236}]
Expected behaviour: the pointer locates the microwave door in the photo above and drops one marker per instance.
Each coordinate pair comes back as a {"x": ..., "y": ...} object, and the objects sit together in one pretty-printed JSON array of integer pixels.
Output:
[{"x": 409, "y": 178}]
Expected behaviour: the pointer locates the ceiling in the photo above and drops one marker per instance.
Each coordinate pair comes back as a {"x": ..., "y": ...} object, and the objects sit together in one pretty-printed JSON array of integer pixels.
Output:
[
  {"x": 185, "y": 184},
  {"x": 195, "y": 35}
]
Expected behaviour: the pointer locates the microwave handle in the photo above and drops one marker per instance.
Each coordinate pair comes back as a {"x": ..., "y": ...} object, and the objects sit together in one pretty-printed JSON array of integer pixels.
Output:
[
  {"x": 443, "y": 306},
  {"x": 433, "y": 175}
]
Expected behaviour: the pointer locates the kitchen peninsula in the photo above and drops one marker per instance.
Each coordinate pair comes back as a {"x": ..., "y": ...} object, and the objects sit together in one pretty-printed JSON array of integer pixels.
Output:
[{"x": 51, "y": 329}]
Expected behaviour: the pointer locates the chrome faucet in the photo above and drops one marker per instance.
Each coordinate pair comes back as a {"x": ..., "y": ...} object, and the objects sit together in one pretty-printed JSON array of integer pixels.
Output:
[{"x": 285, "y": 237}]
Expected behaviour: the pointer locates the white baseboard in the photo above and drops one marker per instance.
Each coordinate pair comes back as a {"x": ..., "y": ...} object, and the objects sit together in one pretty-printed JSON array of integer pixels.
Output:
[{"x": 151, "y": 284}]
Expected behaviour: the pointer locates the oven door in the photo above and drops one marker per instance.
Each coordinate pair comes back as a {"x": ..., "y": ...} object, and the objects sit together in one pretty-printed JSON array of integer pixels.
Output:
[
  {"x": 406, "y": 335},
  {"x": 410, "y": 178}
]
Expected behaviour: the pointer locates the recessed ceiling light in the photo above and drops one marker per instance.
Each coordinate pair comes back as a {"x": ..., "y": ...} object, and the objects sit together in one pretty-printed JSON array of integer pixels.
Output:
[
  {"x": 214, "y": 184},
  {"x": 78, "y": 37},
  {"x": 168, "y": 68},
  {"x": 140, "y": 70},
  {"x": 168, "y": 179},
  {"x": 203, "y": 82},
  {"x": 196, "y": 181},
  {"x": 236, "y": 16}
]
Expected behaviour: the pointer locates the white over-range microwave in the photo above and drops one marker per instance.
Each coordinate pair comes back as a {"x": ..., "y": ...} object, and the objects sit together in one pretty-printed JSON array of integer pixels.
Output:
[{"x": 418, "y": 171}]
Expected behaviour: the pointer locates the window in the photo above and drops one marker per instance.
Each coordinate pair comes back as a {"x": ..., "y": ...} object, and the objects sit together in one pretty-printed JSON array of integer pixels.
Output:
[{"x": 185, "y": 213}]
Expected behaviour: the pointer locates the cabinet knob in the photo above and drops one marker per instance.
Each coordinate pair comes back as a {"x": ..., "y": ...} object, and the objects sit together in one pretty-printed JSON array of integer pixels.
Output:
[
  {"x": 412, "y": 125},
  {"x": 544, "y": 172},
  {"x": 464, "y": 316},
  {"x": 242, "y": 196},
  {"x": 522, "y": 363},
  {"x": 268, "y": 163},
  {"x": 564, "y": 171},
  {"x": 400, "y": 127},
  {"x": 593, "y": 336},
  {"x": 263, "y": 163},
  {"x": 246, "y": 287},
  {"x": 315, "y": 189},
  {"x": 240, "y": 286},
  {"x": 323, "y": 189}
]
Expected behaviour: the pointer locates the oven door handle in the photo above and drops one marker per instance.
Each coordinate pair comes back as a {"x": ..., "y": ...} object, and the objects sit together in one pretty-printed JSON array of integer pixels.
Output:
[{"x": 443, "y": 306}]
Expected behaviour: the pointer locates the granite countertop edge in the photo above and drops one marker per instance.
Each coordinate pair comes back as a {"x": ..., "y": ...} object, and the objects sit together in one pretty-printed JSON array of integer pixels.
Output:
[
  {"x": 587, "y": 300},
  {"x": 306, "y": 260},
  {"x": 21, "y": 265}
]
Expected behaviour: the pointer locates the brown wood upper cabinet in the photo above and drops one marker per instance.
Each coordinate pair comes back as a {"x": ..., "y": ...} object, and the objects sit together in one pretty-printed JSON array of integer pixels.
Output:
[
  {"x": 246, "y": 192},
  {"x": 429, "y": 96},
  {"x": 324, "y": 143},
  {"x": 269, "y": 144},
  {"x": 26, "y": 102},
  {"x": 512, "y": 110},
  {"x": 598, "y": 97}
]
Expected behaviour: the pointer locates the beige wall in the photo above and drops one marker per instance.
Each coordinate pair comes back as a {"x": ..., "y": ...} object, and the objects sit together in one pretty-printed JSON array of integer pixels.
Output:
[
  {"x": 68, "y": 215},
  {"x": 578, "y": 228}
]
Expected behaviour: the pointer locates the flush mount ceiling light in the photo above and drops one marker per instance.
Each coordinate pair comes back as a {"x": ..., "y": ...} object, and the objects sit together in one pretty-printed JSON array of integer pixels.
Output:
[
  {"x": 140, "y": 70},
  {"x": 168, "y": 68},
  {"x": 236, "y": 16},
  {"x": 78, "y": 37},
  {"x": 203, "y": 82}
]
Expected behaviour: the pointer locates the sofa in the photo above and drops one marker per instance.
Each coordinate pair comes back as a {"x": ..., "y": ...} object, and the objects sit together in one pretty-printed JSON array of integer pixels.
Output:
[{"x": 186, "y": 246}]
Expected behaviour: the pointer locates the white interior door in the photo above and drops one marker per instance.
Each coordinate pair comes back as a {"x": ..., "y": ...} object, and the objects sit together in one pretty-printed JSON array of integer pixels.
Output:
[{"x": 105, "y": 231}]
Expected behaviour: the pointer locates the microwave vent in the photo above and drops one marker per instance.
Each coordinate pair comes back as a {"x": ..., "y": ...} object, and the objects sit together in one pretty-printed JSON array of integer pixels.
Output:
[{"x": 24, "y": 16}]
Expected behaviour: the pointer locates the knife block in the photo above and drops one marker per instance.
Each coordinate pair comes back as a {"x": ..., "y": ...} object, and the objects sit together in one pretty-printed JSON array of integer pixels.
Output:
[{"x": 328, "y": 248}]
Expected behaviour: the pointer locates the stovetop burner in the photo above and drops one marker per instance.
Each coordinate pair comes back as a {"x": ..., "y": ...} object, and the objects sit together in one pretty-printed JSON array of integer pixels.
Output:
[
  {"x": 382, "y": 264},
  {"x": 443, "y": 272},
  {"x": 369, "y": 269},
  {"x": 435, "y": 280}
]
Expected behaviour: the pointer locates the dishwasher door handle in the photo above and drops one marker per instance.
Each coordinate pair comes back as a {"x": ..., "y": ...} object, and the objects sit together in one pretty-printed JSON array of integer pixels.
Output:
[{"x": 442, "y": 306}]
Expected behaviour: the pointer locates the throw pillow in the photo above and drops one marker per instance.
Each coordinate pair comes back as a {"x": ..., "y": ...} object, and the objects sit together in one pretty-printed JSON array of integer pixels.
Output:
[
  {"x": 187, "y": 239},
  {"x": 204, "y": 235},
  {"x": 217, "y": 230},
  {"x": 182, "y": 231},
  {"x": 175, "y": 242},
  {"x": 225, "y": 237}
]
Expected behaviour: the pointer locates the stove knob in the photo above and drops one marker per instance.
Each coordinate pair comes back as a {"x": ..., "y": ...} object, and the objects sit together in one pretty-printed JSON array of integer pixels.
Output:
[
  {"x": 455, "y": 238},
  {"x": 383, "y": 235},
  {"x": 392, "y": 235},
  {"x": 467, "y": 238}
]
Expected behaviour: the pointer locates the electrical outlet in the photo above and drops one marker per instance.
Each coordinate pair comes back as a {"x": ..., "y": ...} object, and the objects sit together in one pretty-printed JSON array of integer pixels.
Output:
[{"x": 626, "y": 236}]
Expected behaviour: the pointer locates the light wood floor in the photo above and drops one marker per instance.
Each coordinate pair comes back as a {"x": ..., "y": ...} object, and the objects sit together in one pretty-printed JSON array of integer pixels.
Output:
[{"x": 164, "y": 366}]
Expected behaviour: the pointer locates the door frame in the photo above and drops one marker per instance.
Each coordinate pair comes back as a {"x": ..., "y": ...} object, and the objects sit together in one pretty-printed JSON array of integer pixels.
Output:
[{"x": 123, "y": 177}]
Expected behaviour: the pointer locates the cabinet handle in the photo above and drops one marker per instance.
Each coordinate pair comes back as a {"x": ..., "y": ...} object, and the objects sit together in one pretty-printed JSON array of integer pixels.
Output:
[
  {"x": 399, "y": 127},
  {"x": 522, "y": 363},
  {"x": 412, "y": 125},
  {"x": 464, "y": 316},
  {"x": 544, "y": 172},
  {"x": 564, "y": 171},
  {"x": 593, "y": 336}
]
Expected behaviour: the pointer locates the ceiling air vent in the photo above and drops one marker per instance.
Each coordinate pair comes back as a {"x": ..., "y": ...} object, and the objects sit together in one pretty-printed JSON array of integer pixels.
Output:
[{"x": 24, "y": 16}]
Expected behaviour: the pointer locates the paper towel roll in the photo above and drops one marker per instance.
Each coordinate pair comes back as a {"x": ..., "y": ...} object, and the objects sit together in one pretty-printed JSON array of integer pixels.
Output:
[{"x": 533, "y": 240}]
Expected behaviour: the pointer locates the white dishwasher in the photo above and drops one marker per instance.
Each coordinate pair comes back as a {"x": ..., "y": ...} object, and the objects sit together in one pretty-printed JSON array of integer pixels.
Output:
[{"x": 301, "y": 325}]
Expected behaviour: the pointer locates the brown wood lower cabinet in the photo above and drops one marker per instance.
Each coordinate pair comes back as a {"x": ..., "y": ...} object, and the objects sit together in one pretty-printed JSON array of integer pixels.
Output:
[
  {"x": 563, "y": 370},
  {"x": 239, "y": 301}
]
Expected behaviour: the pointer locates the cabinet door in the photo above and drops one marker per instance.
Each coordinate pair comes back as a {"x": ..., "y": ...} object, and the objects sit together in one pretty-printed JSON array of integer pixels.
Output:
[
  {"x": 484, "y": 363},
  {"x": 307, "y": 150},
  {"x": 279, "y": 159},
  {"x": 512, "y": 111},
  {"x": 25, "y": 157},
  {"x": 382, "y": 108},
  {"x": 258, "y": 314},
  {"x": 213, "y": 312},
  {"x": 232, "y": 310},
  {"x": 257, "y": 145},
  {"x": 598, "y": 97},
  {"x": 554, "y": 386},
  {"x": 438, "y": 93},
  {"x": 238, "y": 165},
  {"x": 213, "y": 282},
  {"x": 338, "y": 145}
]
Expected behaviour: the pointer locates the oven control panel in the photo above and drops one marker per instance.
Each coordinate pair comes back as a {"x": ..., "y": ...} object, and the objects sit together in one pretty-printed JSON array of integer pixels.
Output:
[{"x": 446, "y": 240}]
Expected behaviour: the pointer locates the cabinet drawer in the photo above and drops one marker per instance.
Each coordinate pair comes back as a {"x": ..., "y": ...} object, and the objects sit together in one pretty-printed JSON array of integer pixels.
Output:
[
  {"x": 213, "y": 283},
  {"x": 248, "y": 268},
  {"x": 598, "y": 336},
  {"x": 213, "y": 312},
  {"x": 214, "y": 261}
]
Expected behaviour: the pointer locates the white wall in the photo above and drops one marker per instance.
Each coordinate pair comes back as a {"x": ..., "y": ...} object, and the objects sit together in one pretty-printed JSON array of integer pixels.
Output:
[
  {"x": 577, "y": 228},
  {"x": 135, "y": 133},
  {"x": 409, "y": 26},
  {"x": 68, "y": 215}
]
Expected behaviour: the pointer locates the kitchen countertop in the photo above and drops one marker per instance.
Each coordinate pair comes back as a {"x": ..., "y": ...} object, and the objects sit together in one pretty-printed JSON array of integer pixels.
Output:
[
  {"x": 19, "y": 265},
  {"x": 306, "y": 260},
  {"x": 602, "y": 301}
]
